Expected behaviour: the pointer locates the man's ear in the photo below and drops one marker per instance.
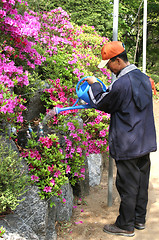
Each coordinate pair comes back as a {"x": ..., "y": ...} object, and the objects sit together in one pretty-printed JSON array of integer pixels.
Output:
[{"x": 119, "y": 60}]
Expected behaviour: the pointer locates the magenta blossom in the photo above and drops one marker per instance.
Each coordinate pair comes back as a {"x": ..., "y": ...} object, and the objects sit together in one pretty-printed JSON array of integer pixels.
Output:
[
  {"x": 102, "y": 133},
  {"x": 50, "y": 169},
  {"x": 57, "y": 174},
  {"x": 20, "y": 118},
  {"x": 34, "y": 178},
  {"x": 82, "y": 170},
  {"x": 71, "y": 126},
  {"x": 47, "y": 189},
  {"x": 52, "y": 181},
  {"x": 81, "y": 176},
  {"x": 68, "y": 169}
]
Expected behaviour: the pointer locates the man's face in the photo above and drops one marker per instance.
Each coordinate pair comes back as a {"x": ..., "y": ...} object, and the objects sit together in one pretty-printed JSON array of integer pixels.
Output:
[{"x": 114, "y": 66}]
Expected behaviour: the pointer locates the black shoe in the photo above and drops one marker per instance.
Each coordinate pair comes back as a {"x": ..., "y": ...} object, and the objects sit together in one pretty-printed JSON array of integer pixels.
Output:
[
  {"x": 113, "y": 229},
  {"x": 139, "y": 226}
]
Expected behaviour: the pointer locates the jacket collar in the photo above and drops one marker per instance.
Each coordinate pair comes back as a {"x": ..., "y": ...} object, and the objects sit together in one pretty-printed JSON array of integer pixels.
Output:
[{"x": 126, "y": 70}]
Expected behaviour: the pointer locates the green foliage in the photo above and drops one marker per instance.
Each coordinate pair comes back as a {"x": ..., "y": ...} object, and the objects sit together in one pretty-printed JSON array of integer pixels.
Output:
[
  {"x": 13, "y": 178},
  {"x": 96, "y": 13},
  {"x": 2, "y": 231},
  {"x": 130, "y": 28},
  {"x": 70, "y": 52},
  {"x": 10, "y": 117},
  {"x": 56, "y": 66},
  {"x": 35, "y": 84},
  {"x": 153, "y": 37},
  {"x": 157, "y": 86},
  {"x": 155, "y": 77},
  {"x": 48, "y": 168},
  {"x": 131, "y": 31}
]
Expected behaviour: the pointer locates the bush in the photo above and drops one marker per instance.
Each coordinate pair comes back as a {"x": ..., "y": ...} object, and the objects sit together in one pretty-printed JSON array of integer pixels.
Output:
[
  {"x": 155, "y": 78},
  {"x": 13, "y": 179},
  {"x": 2, "y": 231},
  {"x": 157, "y": 86},
  {"x": 51, "y": 167}
]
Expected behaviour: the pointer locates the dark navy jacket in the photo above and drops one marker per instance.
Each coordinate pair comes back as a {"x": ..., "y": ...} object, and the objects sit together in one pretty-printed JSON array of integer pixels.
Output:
[{"x": 129, "y": 100}]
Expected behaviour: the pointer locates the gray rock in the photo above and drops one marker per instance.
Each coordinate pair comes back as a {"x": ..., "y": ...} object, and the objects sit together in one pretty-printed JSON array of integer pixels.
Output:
[
  {"x": 30, "y": 219},
  {"x": 64, "y": 211},
  {"x": 33, "y": 212},
  {"x": 34, "y": 219},
  {"x": 13, "y": 236},
  {"x": 95, "y": 166},
  {"x": 35, "y": 107}
]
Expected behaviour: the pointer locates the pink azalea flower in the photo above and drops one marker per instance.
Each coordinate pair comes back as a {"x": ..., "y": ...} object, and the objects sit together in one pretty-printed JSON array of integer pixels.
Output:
[
  {"x": 80, "y": 131},
  {"x": 82, "y": 170},
  {"x": 79, "y": 149},
  {"x": 34, "y": 178},
  {"x": 68, "y": 169},
  {"x": 52, "y": 181},
  {"x": 47, "y": 189},
  {"x": 24, "y": 154},
  {"x": 61, "y": 151},
  {"x": 20, "y": 119},
  {"x": 71, "y": 126},
  {"x": 102, "y": 133},
  {"x": 82, "y": 176},
  {"x": 32, "y": 154},
  {"x": 72, "y": 150},
  {"x": 57, "y": 174},
  {"x": 50, "y": 169}
]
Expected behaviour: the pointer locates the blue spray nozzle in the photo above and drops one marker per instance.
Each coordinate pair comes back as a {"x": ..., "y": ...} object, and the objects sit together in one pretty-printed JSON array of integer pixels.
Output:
[{"x": 58, "y": 110}]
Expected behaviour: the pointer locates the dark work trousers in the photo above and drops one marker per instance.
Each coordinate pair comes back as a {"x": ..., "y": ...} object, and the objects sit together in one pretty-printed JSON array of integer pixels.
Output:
[{"x": 132, "y": 183}]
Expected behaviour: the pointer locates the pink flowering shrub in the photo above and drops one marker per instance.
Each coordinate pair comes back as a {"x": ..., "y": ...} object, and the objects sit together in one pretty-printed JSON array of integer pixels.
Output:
[
  {"x": 96, "y": 123},
  {"x": 11, "y": 105},
  {"x": 47, "y": 47},
  {"x": 77, "y": 54},
  {"x": 96, "y": 126},
  {"x": 74, "y": 150},
  {"x": 51, "y": 167},
  {"x": 17, "y": 56}
]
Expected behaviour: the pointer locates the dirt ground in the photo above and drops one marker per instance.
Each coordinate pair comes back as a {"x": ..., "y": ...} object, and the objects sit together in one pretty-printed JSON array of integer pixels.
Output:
[{"x": 91, "y": 213}]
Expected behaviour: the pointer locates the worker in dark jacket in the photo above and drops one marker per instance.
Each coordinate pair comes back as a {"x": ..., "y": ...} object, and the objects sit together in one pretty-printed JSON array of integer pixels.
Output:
[{"x": 132, "y": 134}]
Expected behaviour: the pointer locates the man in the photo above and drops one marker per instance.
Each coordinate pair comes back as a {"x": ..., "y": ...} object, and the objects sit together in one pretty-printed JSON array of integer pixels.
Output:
[{"x": 132, "y": 134}]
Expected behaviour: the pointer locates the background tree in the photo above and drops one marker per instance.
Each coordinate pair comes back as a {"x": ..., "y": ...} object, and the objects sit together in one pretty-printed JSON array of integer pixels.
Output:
[
  {"x": 99, "y": 14},
  {"x": 131, "y": 32}
]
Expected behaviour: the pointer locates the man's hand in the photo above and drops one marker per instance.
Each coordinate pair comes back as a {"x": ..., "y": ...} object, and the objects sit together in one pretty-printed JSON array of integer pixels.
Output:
[{"x": 91, "y": 80}]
